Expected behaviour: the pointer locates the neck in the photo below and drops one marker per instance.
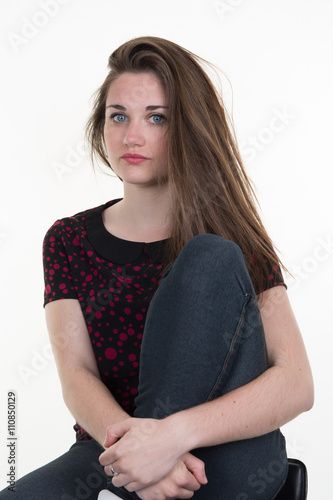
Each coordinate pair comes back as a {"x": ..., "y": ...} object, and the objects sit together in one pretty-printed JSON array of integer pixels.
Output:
[{"x": 145, "y": 211}]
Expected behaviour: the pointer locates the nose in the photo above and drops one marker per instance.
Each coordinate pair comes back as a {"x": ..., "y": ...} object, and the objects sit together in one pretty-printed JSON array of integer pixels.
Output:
[{"x": 134, "y": 134}]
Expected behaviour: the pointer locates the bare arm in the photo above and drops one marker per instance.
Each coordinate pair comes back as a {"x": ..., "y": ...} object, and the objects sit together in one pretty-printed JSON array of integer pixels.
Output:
[
  {"x": 277, "y": 396},
  {"x": 86, "y": 396},
  {"x": 274, "y": 398},
  {"x": 92, "y": 404}
]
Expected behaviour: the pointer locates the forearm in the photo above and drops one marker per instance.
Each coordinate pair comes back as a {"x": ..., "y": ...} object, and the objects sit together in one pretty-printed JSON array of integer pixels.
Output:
[
  {"x": 146, "y": 450},
  {"x": 271, "y": 400},
  {"x": 91, "y": 403},
  {"x": 261, "y": 406},
  {"x": 87, "y": 398}
]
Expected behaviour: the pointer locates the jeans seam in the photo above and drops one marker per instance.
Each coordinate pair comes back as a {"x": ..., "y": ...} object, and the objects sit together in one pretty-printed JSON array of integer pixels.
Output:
[{"x": 231, "y": 349}]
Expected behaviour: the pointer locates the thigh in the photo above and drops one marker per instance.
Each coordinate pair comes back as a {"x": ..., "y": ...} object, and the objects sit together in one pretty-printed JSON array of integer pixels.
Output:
[
  {"x": 203, "y": 334},
  {"x": 77, "y": 474},
  {"x": 203, "y": 338}
]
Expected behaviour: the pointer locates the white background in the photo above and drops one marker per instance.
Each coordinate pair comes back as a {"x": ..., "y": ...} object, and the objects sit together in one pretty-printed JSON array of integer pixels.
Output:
[{"x": 278, "y": 58}]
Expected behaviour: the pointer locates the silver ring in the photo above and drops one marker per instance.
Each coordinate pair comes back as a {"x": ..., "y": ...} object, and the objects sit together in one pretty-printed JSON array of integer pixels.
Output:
[{"x": 114, "y": 473}]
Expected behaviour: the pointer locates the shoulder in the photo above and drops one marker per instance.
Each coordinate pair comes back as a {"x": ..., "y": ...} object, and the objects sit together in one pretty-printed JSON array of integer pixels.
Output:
[
  {"x": 66, "y": 226},
  {"x": 266, "y": 272},
  {"x": 70, "y": 223}
]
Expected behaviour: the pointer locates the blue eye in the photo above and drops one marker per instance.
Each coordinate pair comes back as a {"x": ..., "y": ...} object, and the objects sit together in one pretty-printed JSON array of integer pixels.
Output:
[
  {"x": 118, "y": 118},
  {"x": 157, "y": 118}
]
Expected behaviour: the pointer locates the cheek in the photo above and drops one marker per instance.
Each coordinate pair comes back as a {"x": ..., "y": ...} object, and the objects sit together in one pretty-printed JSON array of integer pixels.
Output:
[
  {"x": 111, "y": 139},
  {"x": 162, "y": 143}
]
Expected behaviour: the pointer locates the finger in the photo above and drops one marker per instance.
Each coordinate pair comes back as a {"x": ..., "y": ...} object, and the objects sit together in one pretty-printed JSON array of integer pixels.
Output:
[
  {"x": 120, "y": 450},
  {"x": 164, "y": 491},
  {"x": 111, "y": 470},
  {"x": 129, "y": 483},
  {"x": 196, "y": 466},
  {"x": 123, "y": 479},
  {"x": 107, "y": 457},
  {"x": 116, "y": 431},
  {"x": 184, "y": 494},
  {"x": 187, "y": 481}
]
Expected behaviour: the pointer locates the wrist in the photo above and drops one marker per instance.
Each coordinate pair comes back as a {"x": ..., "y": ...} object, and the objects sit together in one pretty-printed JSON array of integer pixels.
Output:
[{"x": 185, "y": 430}]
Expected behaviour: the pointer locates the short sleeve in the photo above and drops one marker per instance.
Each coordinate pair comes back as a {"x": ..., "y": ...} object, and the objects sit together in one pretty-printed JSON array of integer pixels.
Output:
[
  {"x": 58, "y": 279},
  {"x": 274, "y": 276}
]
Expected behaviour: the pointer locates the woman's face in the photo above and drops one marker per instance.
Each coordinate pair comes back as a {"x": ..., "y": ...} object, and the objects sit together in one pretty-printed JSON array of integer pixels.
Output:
[{"x": 135, "y": 130}]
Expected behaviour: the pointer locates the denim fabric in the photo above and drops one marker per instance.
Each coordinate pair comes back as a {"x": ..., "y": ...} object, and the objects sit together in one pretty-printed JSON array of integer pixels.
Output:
[
  {"x": 76, "y": 475},
  {"x": 203, "y": 337}
]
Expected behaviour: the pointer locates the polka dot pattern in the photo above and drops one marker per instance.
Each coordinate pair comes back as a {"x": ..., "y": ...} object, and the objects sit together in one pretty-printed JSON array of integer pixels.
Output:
[
  {"x": 114, "y": 300},
  {"x": 114, "y": 282}
]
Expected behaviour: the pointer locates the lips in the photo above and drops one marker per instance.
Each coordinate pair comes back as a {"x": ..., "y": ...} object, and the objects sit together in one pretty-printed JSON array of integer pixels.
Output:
[
  {"x": 134, "y": 158},
  {"x": 134, "y": 155}
]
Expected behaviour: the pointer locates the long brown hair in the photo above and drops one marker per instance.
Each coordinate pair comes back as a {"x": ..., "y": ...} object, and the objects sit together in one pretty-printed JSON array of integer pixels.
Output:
[{"x": 210, "y": 188}]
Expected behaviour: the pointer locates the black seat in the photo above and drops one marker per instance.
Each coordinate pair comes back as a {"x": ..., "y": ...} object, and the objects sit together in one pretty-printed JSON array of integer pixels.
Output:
[{"x": 296, "y": 485}]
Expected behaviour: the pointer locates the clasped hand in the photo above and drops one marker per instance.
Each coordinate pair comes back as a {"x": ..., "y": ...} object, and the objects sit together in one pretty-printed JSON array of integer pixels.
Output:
[{"x": 150, "y": 460}]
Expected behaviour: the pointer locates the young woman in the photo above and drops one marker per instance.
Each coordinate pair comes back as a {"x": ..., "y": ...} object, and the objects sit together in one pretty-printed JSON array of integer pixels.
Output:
[{"x": 176, "y": 346}]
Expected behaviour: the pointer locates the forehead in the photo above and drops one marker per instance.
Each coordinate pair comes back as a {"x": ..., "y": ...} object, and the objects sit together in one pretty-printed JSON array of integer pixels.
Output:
[{"x": 136, "y": 88}]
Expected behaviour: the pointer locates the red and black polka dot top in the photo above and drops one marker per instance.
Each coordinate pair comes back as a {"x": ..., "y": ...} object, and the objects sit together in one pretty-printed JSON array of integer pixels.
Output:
[{"x": 114, "y": 280}]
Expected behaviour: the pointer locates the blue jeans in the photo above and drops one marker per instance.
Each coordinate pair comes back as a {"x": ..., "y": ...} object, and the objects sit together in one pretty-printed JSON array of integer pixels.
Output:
[{"x": 203, "y": 338}]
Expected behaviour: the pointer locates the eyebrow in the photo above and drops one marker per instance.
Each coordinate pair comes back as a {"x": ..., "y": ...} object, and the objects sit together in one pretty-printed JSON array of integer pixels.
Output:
[{"x": 148, "y": 108}]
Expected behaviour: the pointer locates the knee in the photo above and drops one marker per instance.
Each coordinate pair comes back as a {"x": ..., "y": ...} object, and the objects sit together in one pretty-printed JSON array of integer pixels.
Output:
[
  {"x": 207, "y": 255},
  {"x": 212, "y": 247}
]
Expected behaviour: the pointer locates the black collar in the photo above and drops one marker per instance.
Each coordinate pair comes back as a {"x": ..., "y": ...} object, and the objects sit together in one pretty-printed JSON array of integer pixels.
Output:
[{"x": 115, "y": 249}]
